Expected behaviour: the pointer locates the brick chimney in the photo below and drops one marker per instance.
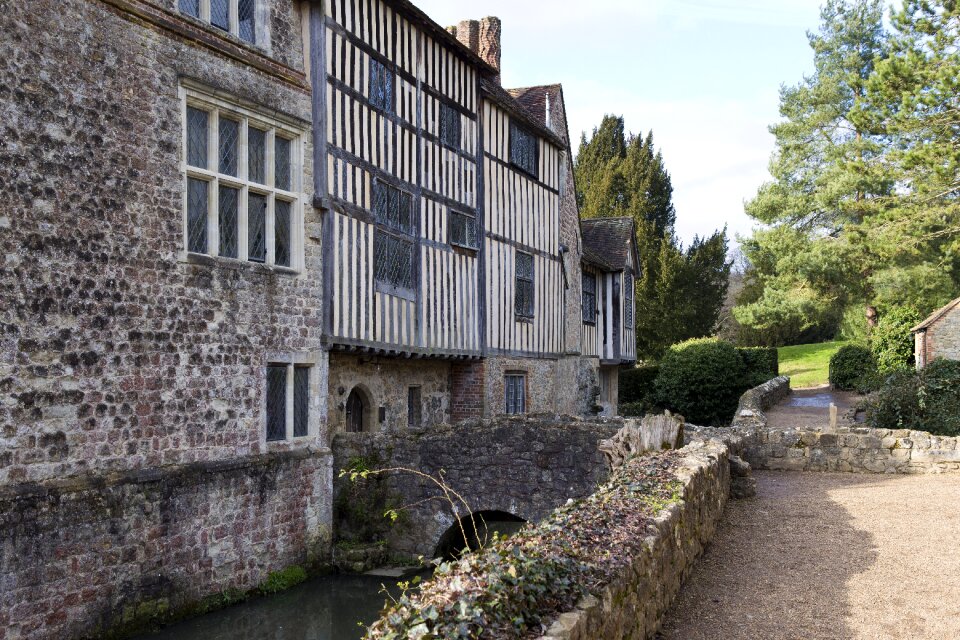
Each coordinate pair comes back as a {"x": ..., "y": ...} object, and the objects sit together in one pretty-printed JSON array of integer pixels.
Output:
[{"x": 483, "y": 38}]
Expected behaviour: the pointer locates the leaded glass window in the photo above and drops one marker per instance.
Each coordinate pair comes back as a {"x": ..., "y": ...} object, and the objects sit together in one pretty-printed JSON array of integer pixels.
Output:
[
  {"x": 524, "y": 285},
  {"x": 241, "y": 173},
  {"x": 393, "y": 258},
  {"x": 628, "y": 304},
  {"x": 229, "y": 142},
  {"x": 282, "y": 164},
  {"x": 257, "y": 155},
  {"x": 257, "y": 228},
  {"x": 449, "y": 126},
  {"x": 229, "y": 219},
  {"x": 237, "y": 17},
  {"x": 393, "y": 208},
  {"x": 276, "y": 403},
  {"x": 589, "y": 297},
  {"x": 515, "y": 387},
  {"x": 197, "y": 138},
  {"x": 281, "y": 228},
  {"x": 523, "y": 149},
  {"x": 381, "y": 86},
  {"x": 462, "y": 230},
  {"x": 301, "y": 401},
  {"x": 197, "y": 194}
]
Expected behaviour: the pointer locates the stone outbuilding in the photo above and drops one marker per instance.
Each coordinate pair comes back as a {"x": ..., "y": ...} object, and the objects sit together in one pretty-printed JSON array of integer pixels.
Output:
[{"x": 938, "y": 336}]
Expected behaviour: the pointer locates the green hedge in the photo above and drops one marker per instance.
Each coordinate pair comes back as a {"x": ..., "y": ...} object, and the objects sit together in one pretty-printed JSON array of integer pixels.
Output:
[
  {"x": 926, "y": 401},
  {"x": 850, "y": 366},
  {"x": 702, "y": 380},
  {"x": 760, "y": 364},
  {"x": 636, "y": 385},
  {"x": 892, "y": 339}
]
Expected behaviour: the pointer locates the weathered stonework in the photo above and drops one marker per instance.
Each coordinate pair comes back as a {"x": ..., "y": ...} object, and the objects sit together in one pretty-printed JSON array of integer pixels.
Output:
[
  {"x": 522, "y": 466},
  {"x": 939, "y": 336},
  {"x": 567, "y": 385}
]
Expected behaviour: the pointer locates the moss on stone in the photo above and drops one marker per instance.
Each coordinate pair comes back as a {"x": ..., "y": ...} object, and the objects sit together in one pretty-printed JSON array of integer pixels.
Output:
[{"x": 282, "y": 580}]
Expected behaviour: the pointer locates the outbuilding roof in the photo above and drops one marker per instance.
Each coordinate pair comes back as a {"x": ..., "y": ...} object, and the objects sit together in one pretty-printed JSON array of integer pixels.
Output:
[
  {"x": 936, "y": 315},
  {"x": 608, "y": 243}
]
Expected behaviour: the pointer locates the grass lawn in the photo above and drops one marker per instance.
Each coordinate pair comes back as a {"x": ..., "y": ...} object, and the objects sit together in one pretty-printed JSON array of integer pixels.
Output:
[{"x": 808, "y": 365}]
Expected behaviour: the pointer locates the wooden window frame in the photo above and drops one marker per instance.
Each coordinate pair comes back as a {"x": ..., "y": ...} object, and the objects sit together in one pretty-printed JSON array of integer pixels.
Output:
[
  {"x": 293, "y": 401},
  {"x": 524, "y": 314},
  {"x": 470, "y": 223},
  {"x": 450, "y": 127},
  {"x": 233, "y": 19},
  {"x": 589, "y": 302},
  {"x": 510, "y": 382},
  {"x": 386, "y": 99},
  {"x": 629, "y": 310},
  {"x": 517, "y": 130},
  {"x": 217, "y": 108}
]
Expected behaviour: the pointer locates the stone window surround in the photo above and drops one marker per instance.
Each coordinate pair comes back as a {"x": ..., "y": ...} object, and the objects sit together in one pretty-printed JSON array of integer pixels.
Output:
[
  {"x": 199, "y": 96},
  {"x": 317, "y": 387},
  {"x": 511, "y": 376}
]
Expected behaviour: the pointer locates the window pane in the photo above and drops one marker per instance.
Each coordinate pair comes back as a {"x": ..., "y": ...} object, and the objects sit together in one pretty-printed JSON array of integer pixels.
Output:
[
  {"x": 414, "y": 408},
  {"x": 525, "y": 266},
  {"x": 196, "y": 215},
  {"x": 381, "y": 86},
  {"x": 257, "y": 228},
  {"x": 462, "y": 230},
  {"x": 523, "y": 149},
  {"x": 257, "y": 155},
  {"x": 245, "y": 18},
  {"x": 197, "y": 122},
  {"x": 220, "y": 14},
  {"x": 281, "y": 226},
  {"x": 229, "y": 139},
  {"x": 190, "y": 7},
  {"x": 393, "y": 261},
  {"x": 449, "y": 126},
  {"x": 282, "y": 170},
  {"x": 276, "y": 403},
  {"x": 301, "y": 402},
  {"x": 229, "y": 217}
]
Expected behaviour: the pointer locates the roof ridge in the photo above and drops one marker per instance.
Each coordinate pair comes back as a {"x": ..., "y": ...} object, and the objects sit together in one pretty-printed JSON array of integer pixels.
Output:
[{"x": 936, "y": 315}]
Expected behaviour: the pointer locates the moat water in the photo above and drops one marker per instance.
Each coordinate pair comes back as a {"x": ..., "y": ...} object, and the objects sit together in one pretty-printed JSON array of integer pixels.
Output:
[{"x": 334, "y": 607}]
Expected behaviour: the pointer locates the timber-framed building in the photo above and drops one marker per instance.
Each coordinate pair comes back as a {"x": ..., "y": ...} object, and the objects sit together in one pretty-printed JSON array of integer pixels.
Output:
[{"x": 233, "y": 228}]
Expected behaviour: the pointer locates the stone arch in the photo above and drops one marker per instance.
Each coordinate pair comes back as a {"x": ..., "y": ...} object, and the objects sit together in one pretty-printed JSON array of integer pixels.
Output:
[
  {"x": 361, "y": 400},
  {"x": 479, "y": 526}
]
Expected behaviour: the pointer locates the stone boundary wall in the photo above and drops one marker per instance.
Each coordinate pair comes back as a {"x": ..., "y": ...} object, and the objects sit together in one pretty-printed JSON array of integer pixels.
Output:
[
  {"x": 853, "y": 449},
  {"x": 525, "y": 466},
  {"x": 633, "y": 605},
  {"x": 754, "y": 403},
  {"x": 102, "y": 556}
]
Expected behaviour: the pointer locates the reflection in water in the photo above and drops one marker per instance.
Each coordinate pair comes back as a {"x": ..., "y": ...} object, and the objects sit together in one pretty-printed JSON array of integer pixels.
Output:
[
  {"x": 326, "y": 608},
  {"x": 817, "y": 400}
]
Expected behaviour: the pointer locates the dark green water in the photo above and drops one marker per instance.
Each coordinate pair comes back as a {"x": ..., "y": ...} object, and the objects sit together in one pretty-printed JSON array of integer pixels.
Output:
[{"x": 327, "y": 608}]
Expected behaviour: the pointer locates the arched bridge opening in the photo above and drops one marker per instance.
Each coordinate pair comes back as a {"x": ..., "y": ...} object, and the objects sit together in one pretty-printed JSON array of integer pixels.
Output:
[{"x": 474, "y": 531}]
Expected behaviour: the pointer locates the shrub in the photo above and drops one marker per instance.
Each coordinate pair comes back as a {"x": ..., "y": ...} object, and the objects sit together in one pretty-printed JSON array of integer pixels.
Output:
[
  {"x": 634, "y": 409},
  {"x": 849, "y": 365},
  {"x": 896, "y": 405},
  {"x": 892, "y": 340},
  {"x": 702, "y": 380},
  {"x": 760, "y": 364},
  {"x": 636, "y": 385},
  {"x": 939, "y": 397}
]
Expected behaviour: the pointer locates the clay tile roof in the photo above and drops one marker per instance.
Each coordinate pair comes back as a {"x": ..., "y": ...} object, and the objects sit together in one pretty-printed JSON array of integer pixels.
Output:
[
  {"x": 608, "y": 242},
  {"x": 936, "y": 315},
  {"x": 534, "y": 99},
  {"x": 517, "y": 110}
]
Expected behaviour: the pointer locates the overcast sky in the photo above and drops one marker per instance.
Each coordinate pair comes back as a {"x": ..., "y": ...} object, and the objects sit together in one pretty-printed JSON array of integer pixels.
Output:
[{"x": 703, "y": 74}]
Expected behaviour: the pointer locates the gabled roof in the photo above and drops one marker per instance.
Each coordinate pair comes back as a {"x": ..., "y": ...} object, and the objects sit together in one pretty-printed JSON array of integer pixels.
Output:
[
  {"x": 516, "y": 109},
  {"x": 534, "y": 100},
  {"x": 935, "y": 316},
  {"x": 609, "y": 243}
]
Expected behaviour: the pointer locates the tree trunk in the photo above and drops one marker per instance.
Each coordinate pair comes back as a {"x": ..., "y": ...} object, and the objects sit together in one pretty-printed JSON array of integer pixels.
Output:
[{"x": 871, "y": 316}]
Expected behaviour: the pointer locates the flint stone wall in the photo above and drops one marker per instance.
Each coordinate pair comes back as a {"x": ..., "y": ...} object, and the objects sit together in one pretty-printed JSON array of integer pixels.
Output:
[
  {"x": 523, "y": 466},
  {"x": 632, "y": 606},
  {"x": 97, "y": 556}
]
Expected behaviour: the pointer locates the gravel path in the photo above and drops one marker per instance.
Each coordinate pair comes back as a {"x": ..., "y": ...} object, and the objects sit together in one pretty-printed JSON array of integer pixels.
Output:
[
  {"x": 829, "y": 556},
  {"x": 809, "y": 407}
]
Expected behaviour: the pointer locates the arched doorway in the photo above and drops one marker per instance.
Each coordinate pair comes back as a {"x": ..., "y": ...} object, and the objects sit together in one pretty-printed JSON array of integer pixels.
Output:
[
  {"x": 479, "y": 527},
  {"x": 356, "y": 412}
]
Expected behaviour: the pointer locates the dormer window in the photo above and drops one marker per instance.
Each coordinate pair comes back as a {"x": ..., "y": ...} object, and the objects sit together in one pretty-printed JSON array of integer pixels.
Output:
[{"x": 236, "y": 17}]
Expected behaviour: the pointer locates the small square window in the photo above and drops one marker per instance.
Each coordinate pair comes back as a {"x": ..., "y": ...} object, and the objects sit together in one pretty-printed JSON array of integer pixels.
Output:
[
  {"x": 394, "y": 208},
  {"x": 462, "y": 230},
  {"x": 381, "y": 86}
]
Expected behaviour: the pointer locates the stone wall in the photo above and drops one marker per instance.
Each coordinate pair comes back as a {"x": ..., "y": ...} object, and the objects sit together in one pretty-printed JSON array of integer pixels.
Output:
[
  {"x": 524, "y": 466},
  {"x": 943, "y": 337},
  {"x": 568, "y": 385},
  {"x": 633, "y": 604},
  {"x": 466, "y": 390},
  {"x": 96, "y": 555},
  {"x": 853, "y": 449},
  {"x": 385, "y": 383}
]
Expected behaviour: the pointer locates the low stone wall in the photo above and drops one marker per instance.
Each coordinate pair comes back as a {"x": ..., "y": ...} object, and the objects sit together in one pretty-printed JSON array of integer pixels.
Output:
[
  {"x": 524, "y": 466},
  {"x": 751, "y": 413},
  {"x": 633, "y": 604},
  {"x": 101, "y": 556},
  {"x": 853, "y": 449}
]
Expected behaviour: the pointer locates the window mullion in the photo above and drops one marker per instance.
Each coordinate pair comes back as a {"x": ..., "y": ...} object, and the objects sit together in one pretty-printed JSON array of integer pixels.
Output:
[
  {"x": 205, "y": 10},
  {"x": 271, "y": 230},
  {"x": 270, "y": 157},
  {"x": 243, "y": 231}
]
